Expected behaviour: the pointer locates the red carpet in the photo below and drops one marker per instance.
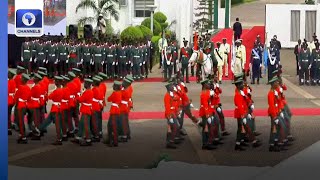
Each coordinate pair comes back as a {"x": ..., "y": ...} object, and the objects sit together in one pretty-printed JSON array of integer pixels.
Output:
[{"x": 228, "y": 113}]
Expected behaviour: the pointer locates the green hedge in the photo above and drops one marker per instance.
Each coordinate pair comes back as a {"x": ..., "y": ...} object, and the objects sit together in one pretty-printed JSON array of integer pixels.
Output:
[
  {"x": 147, "y": 33},
  {"x": 131, "y": 34},
  {"x": 156, "y": 26},
  {"x": 161, "y": 18}
]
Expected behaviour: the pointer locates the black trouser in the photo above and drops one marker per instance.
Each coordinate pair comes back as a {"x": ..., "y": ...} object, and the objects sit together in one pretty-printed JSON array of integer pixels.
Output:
[
  {"x": 304, "y": 73},
  {"x": 109, "y": 69},
  {"x": 63, "y": 67},
  {"x": 167, "y": 71},
  {"x": 175, "y": 69},
  {"x": 86, "y": 68},
  {"x": 151, "y": 61},
  {"x": 160, "y": 60},
  {"x": 192, "y": 70},
  {"x": 237, "y": 36},
  {"x": 185, "y": 71},
  {"x": 297, "y": 63},
  {"x": 271, "y": 68},
  {"x": 122, "y": 68},
  {"x": 146, "y": 69},
  {"x": 97, "y": 67},
  {"x": 51, "y": 68}
]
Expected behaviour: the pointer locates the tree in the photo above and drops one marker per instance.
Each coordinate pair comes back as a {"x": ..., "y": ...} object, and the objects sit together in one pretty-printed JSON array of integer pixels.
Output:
[
  {"x": 156, "y": 25},
  {"x": 131, "y": 34},
  {"x": 161, "y": 18},
  {"x": 146, "y": 32},
  {"x": 204, "y": 16},
  {"x": 99, "y": 7}
]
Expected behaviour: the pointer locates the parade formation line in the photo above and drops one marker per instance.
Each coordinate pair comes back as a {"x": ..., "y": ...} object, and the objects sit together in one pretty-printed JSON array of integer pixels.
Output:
[{"x": 157, "y": 115}]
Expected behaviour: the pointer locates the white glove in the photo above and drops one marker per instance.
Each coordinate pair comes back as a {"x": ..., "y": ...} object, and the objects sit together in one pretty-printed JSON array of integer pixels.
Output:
[
  {"x": 117, "y": 63},
  {"x": 244, "y": 121},
  {"x": 177, "y": 61},
  {"x": 249, "y": 116},
  {"x": 209, "y": 55},
  {"x": 276, "y": 121},
  {"x": 175, "y": 89},
  {"x": 171, "y": 120},
  {"x": 209, "y": 120},
  {"x": 129, "y": 62},
  {"x": 299, "y": 67},
  {"x": 219, "y": 110},
  {"x": 276, "y": 93},
  {"x": 35, "y": 60},
  {"x": 252, "y": 107},
  {"x": 179, "y": 88},
  {"x": 131, "y": 65},
  {"x": 67, "y": 61},
  {"x": 260, "y": 65},
  {"x": 217, "y": 85},
  {"x": 47, "y": 61},
  {"x": 22, "y": 59},
  {"x": 144, "y": 62},
  {"x": 189, "y": 65},
  {"x": 211, "y": 92},
  {"x": 242, "y": 93},
  {"x": 56, "y": 62},
  {"x": 44, "y": 61},
  {"x": 282, "y": 115},
  {"x": 281, "y": 90},
  {"x": 249, "y": 91},
  {"x": 30, "y": 59},
  {"x": 309, "y": 66},
  {"x": 191, "y": 105},
  {"x": 183, "y": 84},
  {"x": 113, "y": 63},
  {"x": 171, "y": 94},
  {"x": 140, "y": 64}
]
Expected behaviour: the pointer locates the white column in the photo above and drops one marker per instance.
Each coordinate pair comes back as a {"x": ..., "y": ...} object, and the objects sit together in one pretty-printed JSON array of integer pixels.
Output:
[
  {"x": 302, "y": 24},
  {"x": 151, "y": 24}
]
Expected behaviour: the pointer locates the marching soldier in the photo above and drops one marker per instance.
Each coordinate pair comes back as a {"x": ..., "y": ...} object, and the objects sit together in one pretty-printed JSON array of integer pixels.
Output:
[
  {"x": 115, "y": 99},
  {"x": 22, "y": 96},
  {"x": 63, "y": 56},
  {"x": 11, "y": 94},
  {"x": 316, "y": 64},
  {"x": 72, "y": 103},
  {"x": 185, "y": 54},
  {"x": 44, "y": 94},
  {"x": 103, "y": 91},
  {"x": 124, "y": 111},
  {"x": 83, "y": 136},
  {"x": 75, "y": 113},
  {"x": 26, "y": 54},
  {"x": 273, "y": 59},
  {"x": 255, "y": 63},
  {"x": 226, "y": 49},
  {"x": 304, "y": 65},
  {"x": 97, "y": 102},
  {"x": 168, "y": 62},
  {"x": 65, "y": 107},
  {"x": 219, "y": 54}
]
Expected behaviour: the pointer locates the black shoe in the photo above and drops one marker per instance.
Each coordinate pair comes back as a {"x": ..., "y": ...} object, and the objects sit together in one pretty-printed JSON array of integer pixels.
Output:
[
  {"x": 57, "y": 143},
  {"x": 9, "y": 132},
  {"x": 177, "y": 141},
  {"x": 226, "y": 133},
  {"x": 76, "y": 131},
  {"x": 246, "y": 139},
  {"x": 96, "y": 139},
  {"x": 75, "y": 141},
  {"x": 41, "y": 133},
  {"x": 171, "y": 146},
  {"x": 244, "y": 144},
  {"x": 30, "y": 134},
  {"x": 287, "y": 143},
  {"x": 291, "y": 139},
  {"x": 188, "y": 82},
  {"x": 283, "y": 148},
  {"x": 208, "y": 147},
  {"x": 45, "y": 131},
  {"x": 35, "y": 138},
  {"x": 122, "y": 139},
  {"x": 70, "y": 135},
  {"x": 183, "y": 133},
  {"x": 65, "y": 138},
  {"x": 256, "y": 144},
  {"x": 22, "y": 141},
  {"x": 220, "y": 82},
  {"x": 217, "y": 143},
  {"x": 274, "y": 149},
  {"x": 257, "y": 134},
  {"x": 252, "y": 82},
  {"x": 239, "y": 148},
  {"x": 85, "y": 143}
]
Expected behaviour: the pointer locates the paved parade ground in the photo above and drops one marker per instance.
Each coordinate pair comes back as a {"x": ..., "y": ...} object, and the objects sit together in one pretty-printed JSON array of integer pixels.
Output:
[{"x": 148, "y": 134}]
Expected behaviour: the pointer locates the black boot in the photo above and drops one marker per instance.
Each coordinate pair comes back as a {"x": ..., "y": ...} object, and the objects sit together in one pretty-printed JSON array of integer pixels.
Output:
[
  {"x": 208, "y": 147},
  {"x": 256, "y": 144},
  {"x": 274, "y": 149},
  {"x": 9, "y": 132},
  {"x": 65, "y": 138},
  {"x": 57, "y": 143},
  {"x": 171, "y": 146},
  {"x": 239, "y": 148},
  {"x": 22, "y": 141},
  {"x": 36, "y": 137}
]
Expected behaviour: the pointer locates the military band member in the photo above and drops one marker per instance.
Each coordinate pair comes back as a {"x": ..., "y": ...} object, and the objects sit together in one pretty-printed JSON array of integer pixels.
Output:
[
  {"x": 11, "y": 94},
  {"x": 256, "y": 64},
  {"x": 304, "y": 65},
  {"x": 226, "y": 49},
  {"x": 316, "y": 64},
  {"x": 22, "y": 96},
  {"x": 185, "y": 54}
]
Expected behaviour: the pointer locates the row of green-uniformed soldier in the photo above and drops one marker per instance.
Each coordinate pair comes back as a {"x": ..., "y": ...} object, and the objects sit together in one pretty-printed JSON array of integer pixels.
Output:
[{"x": 93, "y": 57}]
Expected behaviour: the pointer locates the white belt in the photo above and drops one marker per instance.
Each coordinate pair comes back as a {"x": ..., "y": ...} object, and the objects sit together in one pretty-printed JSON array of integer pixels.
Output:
[
  {"x": 123, "y": 56},
  {"x": 42, "y": 96},
  {"x": 63, "y": 53},
  {"x": 95, "y": 100},
  {"x": 78, "y": 94},
  {"x": 115, "y": 105},
  {"x": 41, "y": 53},
  {"x": 52, "y": 55},
  {"x": 26, "y": 51},
  {"x": 87, "y": 104},
  {"x": 64, "y": 101},
  {"x": 109, "y": 55},
  {"x": 124, "y": 102},
  {"x": 172, "y": 108},
  {"x": 305, "y": 60},
  {"x": 87, "y": 54},
  {"x": 56, "y": 103},
  {"x": 136, "y": 56},
  {"x": 35, "y": 99},
  {"x": 72, "y": 96},
  {"x": 130, "y": 99},
  {"x": 11, "y": 94},
  {"x": 236, "y": 107},
  {"x": 212, "y": 106},
  {"x": 22, "y": 100},
  {"x": 98, "y": 55},
  {"x": 184, "y": 56},
  {"x": 276, "y": 105}
]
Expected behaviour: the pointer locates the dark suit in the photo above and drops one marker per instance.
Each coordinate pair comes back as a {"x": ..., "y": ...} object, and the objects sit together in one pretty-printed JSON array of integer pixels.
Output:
[
  {"x": 237, "y": 29},
  {"x": 297, "y": 50}
]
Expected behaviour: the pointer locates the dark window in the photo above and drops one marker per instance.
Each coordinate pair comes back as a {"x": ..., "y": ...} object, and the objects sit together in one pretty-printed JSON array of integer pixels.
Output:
[{"x": 142, "y": 13}]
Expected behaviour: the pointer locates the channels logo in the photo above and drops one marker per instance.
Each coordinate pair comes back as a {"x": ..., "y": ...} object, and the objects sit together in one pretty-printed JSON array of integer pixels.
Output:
[{"x": 29, "y": 22}]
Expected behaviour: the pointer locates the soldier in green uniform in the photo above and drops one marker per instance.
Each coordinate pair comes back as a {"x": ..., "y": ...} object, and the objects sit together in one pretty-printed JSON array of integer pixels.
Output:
[
  {"x": 122, "y": 55},
  {"x": 142, "y": 59},
  {"x": 168, "y": 62},
  {"x": 316, "y": 64},
  {"x": 114, "y": 60},
  {"x": 73, "y": 56},
  {"x": 130, "y": 58},
  {"x": 26, "y": 53},
  {"x": 136, "y": 54},
  {"x": 40, "y": 55},
  {"x": 52, "y": 59},
  {"x": 86, "y": 59},
  {"x": 304, "y": 65},
  {"x": 109, "y": 59},
  {"x": 175, "y": 48},
  {"x": 185, "y": 54},
  {"x": 63, "y": 53},
  {"x": 33, "y": 63},
  {"x": 97, "y": 57}
]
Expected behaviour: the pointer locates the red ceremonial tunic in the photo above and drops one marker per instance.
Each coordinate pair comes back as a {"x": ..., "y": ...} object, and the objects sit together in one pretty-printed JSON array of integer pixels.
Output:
[
  {"x": 130, "y": 100},
  {"x": 103, "y": 91},
  {"x": 56, "y": 97},
  {"x": 65, "y": 99},
  {"x": 115, "y": 99},
  {"x": 11, "y": 91},
  {"x": 124, "y": 106},
  {"x": 73, "y": 94},
  {"x": 273, "y": 104},
  {"x": 34, "y": 101},
  {"x": 168, "y": 105},
  {"x": 240, "y": 105},
  {"x": 22, "y": 96},
  {"x": 204, "y": 103},
  {"x": 17, "y": 80},
  {"x": 97, "y": 99},
  {"x": 86, "y": 102}
]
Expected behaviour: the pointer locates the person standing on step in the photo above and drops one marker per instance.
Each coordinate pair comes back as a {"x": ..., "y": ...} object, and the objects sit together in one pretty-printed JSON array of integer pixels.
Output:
[
  {"x": 226, "y": 49},
  {"x": 115, "y": 100},
  {"x": 237, "y": 30},
  {"x": 304, "y": 65},
  {"x": 11, "y": 94},
  {"x": 83, "y": 136},
  {"x": 185, "y": 54},
  {"x": 22, "y": 96},
  {"x": 255, "y": 64}
]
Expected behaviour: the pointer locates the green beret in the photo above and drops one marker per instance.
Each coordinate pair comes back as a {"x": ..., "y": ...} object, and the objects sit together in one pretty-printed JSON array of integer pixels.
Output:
[
  {"x": 117, "y": 83},
  {"x": 99, "y": 77},
  {"x": 76, "y": 69},
  {"x": 36, "y": 75},
  {"x": 26, "y": 76},
  {"x": 239, "y": 80},
  {"x": 13, "y": 72},
  {"x": 59, "y": 78},
  {"x": 70, "y": 73},
  {"x": 275, "y": 72},
  {"x": 42, "y": 69},
  {"x": 20, "y": 68},
  {"x": 66, "y": 78},
  {"x": 204, "y": 82},
  {"x": 274, "y": 79},
  {"x": 103, "y": 75},
  {"x": 126, "y": 81},
  {"x": 96, "y": 79},
  {"x": 130, "y": 79},
  {"x": 238, "y": 75},
  {"x": 88, "y": 80},
  {"x": 168, "y": 86},
  {"x": 42, "y": 73}
]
